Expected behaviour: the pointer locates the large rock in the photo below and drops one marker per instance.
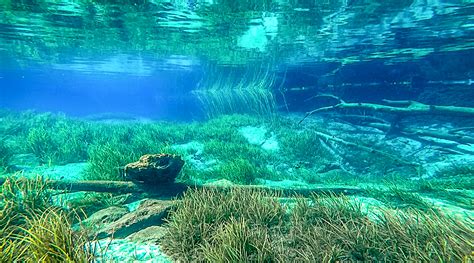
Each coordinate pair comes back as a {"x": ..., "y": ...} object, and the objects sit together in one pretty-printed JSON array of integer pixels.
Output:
[
  {"x": 154, "y": 168},
  {"x": 149, "y": 213}
]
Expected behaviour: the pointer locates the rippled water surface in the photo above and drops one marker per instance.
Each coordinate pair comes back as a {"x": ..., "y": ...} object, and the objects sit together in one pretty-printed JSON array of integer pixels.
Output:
[{"x": 137, "y": 37}]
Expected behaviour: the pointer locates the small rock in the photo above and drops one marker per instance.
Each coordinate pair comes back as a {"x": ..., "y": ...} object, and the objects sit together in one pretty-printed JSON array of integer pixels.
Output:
[{"x": 149, "y": 213}]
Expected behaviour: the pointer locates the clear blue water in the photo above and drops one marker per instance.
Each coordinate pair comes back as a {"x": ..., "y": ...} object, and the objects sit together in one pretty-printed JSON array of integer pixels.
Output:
[
  {"x": 145, "y": 57},
  {"x": 224, "y": 85}
]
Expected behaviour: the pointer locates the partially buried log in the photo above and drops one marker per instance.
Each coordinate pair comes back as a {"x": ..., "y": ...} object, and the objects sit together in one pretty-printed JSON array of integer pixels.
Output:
[
  {"x": 154, "y": 176},
  {"x": 405, "y": 107},
  {"x": 175, "y": 189}
]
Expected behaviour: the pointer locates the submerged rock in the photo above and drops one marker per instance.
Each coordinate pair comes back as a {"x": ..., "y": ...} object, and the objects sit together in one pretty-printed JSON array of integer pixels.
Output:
[
  {"x": 154, "y": 168},
  {"x": 106, "y": 216},
  {"x": 149, "y": 213},
  {"x": 152, "y": 234}
]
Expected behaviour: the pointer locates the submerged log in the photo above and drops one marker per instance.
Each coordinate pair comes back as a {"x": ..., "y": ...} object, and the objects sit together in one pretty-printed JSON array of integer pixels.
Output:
[
  {"x": 405, "y": 107},
  {"x": 176, "y": 189}
]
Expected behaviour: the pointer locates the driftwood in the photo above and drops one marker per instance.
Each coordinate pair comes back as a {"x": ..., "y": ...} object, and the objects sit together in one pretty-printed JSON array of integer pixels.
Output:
[
  {"x": 365, "y": 148},
  {"x": 176, "y": 189},
  {"x": 405, "y": 107}
]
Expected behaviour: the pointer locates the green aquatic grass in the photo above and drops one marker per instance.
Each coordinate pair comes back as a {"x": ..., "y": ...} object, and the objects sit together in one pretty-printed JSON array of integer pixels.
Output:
[
  {"x": 397, "y": 197},
  {"x": 49, "y": 237},
  {"x": 253, "y": 226},
  {"x": 19, "y": 197},
  {"x": 336, "y": 229},
  {"x": 5, "y": 155},
  {"x": 62, "y": 141},
  {"x": 226, "y": 151},
  {"x": 302, "y": 146},
  {"x": 32, "y": 229},
  {"x": 56, "y": 139},
  {"x": 239, "y": 171},
  {"x": 239, "y": 242},
  {"x": 106, "y": 161},
  {"x": 200, "y": 217}
]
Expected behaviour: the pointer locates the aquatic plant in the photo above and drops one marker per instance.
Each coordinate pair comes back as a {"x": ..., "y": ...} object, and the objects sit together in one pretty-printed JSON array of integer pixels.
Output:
[
  {"x": 106, "y": 161},
  {"x": 5, "y": 155},
  {"x": 203, "y": 218},
  {"x": 227, "y": 151},
  {"x": 252, "y": 226},
  {"x": 303, "y": 146},
  {"x": 33, "y": 230},
  {"x": 49, "y": 237},
  {"x": 239, "y": 171},
  {"x": 20, "y": 197},
  {"x": 240, "y": 242},
  {"x": 397, "y": 197},
  {"x": 64, "y": 141},
  {"x": 335, "y": 229}
]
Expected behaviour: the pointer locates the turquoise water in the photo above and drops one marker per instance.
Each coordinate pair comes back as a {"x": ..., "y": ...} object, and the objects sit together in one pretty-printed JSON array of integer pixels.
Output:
[{"x": 290, "y": 118}]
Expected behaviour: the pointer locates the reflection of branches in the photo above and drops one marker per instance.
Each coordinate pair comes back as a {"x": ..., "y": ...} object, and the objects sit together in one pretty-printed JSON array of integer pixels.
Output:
[
  {"x": 234, "y": 91},
  {"x": 280, "y": 89}
]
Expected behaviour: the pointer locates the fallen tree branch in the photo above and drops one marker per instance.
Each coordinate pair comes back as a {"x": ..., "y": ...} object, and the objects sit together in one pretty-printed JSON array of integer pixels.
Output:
[
  {"x": 175, "y": 189},
  {"x": 366, "y": 149},
  {"x": 399, "y": 108},
  {"x": 458, "y": 138}
]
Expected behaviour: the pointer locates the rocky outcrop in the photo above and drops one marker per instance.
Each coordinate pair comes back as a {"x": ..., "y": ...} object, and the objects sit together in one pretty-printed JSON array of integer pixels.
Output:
[
  {"x": 105, "y": 216},
  {"x": 154, "y": 169},
  {"x": 149, "y": 213},
  {"x": 152, "y": 234}
]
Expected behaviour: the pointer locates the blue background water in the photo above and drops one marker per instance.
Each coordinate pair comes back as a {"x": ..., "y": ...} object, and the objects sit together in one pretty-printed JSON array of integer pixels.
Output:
[{"x": 362, "y": 50}]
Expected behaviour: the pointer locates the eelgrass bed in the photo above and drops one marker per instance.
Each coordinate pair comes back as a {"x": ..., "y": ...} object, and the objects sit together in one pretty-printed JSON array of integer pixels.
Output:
[
  {"x": 233, "y": 225},
  {"x": 244, "y": 225},
  {"x": 254, "y": 226},
  {"x": 32, "y": 229}
]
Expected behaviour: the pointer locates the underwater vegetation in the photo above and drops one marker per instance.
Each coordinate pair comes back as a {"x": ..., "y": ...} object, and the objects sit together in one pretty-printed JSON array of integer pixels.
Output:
[
  {"x": 254, "y": 226},
  {"x": 35, "y": 230},
  {"x": 220, "y": 225},
  {"x": 5, "y": 155}
]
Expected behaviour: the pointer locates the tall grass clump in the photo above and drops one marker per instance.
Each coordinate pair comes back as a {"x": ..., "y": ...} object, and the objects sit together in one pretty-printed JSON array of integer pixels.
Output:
[
  {"x": 239, "y": 171},
  {"x": 33, "y": 230},
  {"x": 211, "y": 220},
  {"x": 5, "y": 155},
  {"x": 397, "y": 197},
  {"x": 106, "y": 161},
  {"x": 64, "y": 141},
  {"x": 333, "y": 228},
  {"x": 49, "y": 237},
  {"x": 303, "y": 145},
  {"x": 252, "y": 226}
]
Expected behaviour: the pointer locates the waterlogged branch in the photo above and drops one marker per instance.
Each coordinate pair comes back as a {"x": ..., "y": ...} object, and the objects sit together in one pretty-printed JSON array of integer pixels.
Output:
[
  {"x": 366, "y": 149},
  {"x": 405, "y": 107},
  {"x": 174, "y": 189}
]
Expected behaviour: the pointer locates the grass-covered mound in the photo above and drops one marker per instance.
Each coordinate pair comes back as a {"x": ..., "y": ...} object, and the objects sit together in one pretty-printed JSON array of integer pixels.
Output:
[
  {"x": 33, "y": 230},
  {"x": 254, "y": 226}
]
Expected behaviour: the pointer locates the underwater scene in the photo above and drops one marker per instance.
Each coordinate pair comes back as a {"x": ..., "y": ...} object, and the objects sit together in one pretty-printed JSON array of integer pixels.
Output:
[{"x": 237, "y": 131}]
